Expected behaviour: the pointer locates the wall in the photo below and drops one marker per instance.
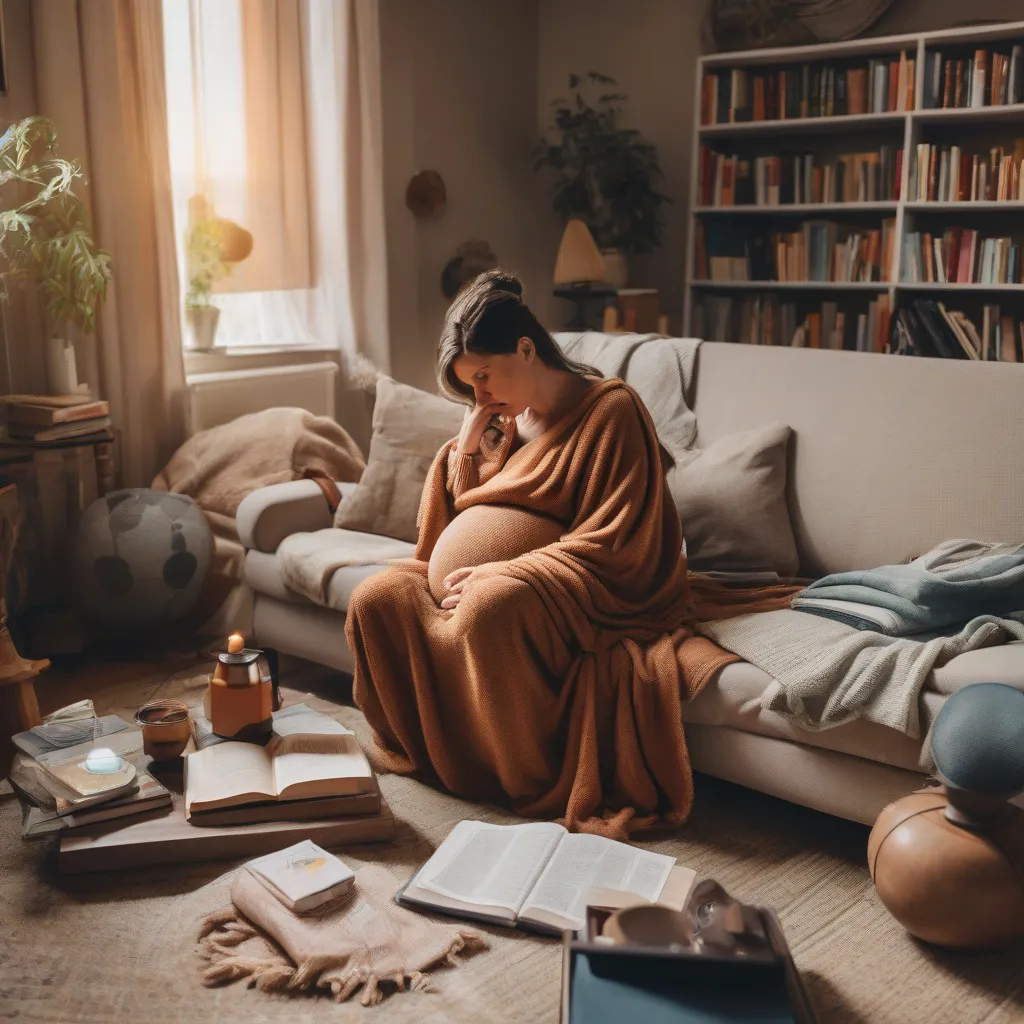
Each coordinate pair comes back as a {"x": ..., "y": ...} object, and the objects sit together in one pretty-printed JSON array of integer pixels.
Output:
[
  {"x": 650, "y": 47},
  {"x": 22, "y": 365},
  {"x": 459, "y": 96},
  {"x": 935, "y": 15}
]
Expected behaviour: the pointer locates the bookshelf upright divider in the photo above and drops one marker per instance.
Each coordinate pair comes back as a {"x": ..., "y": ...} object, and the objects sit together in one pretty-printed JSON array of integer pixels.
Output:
[{"x": 957, "y": 234}]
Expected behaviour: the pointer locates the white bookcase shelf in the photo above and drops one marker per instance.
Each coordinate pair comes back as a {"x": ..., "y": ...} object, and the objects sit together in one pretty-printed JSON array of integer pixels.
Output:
[{"x": 819, "y": 134}]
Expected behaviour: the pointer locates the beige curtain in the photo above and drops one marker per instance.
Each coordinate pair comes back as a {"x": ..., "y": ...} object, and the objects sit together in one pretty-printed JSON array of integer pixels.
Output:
[
  {"x": 100, "y": 77},
  {"x": 343, "y": 75}
]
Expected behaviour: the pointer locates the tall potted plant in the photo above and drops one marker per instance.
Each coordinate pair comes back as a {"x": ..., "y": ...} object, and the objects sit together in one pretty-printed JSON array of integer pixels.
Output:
[
  {"x": 604, "y": 173},
  {"x": 45, "y": 237}
]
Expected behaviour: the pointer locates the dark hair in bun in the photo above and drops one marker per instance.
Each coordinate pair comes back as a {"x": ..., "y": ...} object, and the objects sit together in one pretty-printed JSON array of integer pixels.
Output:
[{"x": 489, "y": 317}]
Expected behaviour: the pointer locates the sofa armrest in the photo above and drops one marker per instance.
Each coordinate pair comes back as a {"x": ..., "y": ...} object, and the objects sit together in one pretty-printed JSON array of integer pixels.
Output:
[{"x": 267, "y": 515}]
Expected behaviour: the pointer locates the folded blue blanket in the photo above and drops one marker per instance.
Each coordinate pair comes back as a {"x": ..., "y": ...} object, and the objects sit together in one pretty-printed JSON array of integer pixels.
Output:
[{"x": 954, "y": 582}]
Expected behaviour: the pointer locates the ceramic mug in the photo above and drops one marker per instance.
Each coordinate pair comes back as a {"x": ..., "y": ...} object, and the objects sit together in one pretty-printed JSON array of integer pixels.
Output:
[{"x": 166, "y": 728}]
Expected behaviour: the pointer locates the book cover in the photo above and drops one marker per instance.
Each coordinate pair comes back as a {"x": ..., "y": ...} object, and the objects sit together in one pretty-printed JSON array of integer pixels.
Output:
[{"x": 303, "y": 876}]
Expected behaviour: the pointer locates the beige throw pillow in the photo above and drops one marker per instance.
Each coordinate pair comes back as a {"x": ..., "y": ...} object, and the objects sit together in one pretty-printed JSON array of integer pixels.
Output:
[
  {"x": 409, "y": 428},
  {"x": 731, "y": 499}
]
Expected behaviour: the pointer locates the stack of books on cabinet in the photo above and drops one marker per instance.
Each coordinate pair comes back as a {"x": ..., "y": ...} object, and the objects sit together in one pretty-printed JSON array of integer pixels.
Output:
[{"x": 866, "y": 195}]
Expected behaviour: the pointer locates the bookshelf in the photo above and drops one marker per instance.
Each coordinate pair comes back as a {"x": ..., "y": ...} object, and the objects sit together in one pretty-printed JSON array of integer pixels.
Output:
[{"x": 822, "y": 193}]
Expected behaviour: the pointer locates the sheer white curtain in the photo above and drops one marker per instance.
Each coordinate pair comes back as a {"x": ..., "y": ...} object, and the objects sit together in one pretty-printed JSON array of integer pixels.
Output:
[{"x": 274, "y": 117}]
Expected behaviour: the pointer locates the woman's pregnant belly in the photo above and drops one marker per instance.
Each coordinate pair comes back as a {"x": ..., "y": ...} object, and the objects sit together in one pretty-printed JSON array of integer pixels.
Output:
[{"x": 487, "y": 533}]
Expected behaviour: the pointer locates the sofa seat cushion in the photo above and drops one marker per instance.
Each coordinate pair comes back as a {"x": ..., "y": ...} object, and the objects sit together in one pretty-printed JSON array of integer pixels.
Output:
[
  {"x": 732, "y": 696},
  {"x": 263, "y": 574}
]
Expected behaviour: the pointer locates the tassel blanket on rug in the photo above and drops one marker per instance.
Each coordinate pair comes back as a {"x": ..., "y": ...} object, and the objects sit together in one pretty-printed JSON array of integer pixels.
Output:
[
  {"x": 557, "y": 682},
  {"x": 357, "y": 944}
]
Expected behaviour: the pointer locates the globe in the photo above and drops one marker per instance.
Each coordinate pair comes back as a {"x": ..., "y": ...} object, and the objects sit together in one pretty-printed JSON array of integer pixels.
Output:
[{"x": 140, "y": 558}]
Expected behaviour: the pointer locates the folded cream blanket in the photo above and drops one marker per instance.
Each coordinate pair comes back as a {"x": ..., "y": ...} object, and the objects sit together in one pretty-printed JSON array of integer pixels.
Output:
[
  {"x": 308, "y": 561},
  {"x": 361, "y": 942}
]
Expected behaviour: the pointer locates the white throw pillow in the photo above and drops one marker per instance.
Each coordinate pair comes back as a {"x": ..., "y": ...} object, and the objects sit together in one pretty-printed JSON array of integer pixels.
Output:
[{"x": 409, "y": 428}]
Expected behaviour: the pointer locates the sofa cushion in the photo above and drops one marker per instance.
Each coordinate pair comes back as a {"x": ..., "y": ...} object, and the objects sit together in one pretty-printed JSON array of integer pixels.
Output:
[
  {"x": 1001, "y": 664},
  {"x": 409, "y": 428},
  {"x": 731, "y": 498},
  {"x": 263, "y": 574}
]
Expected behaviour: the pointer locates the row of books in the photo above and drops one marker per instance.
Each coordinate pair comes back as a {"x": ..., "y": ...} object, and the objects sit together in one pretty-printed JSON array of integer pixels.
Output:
[
  {"x": 986, "y": 79},
  {"x": 960, "y": 256},
  {"x": 54, "y": 419},
  {"x": 799, "y": 178},
  {"x": 767, "y": 320},
  {"x": 927, "y": 328},
  {"x": 810, "y": 90},
  {"x": 947, "y": 174},
  {"x": 816, "y": 251}
]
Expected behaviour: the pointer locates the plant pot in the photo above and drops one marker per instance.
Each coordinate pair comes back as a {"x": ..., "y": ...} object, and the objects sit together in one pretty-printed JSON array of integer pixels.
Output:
[
  {"x": 61, "y": 374},
  {"x": 616, "y": 269},
  {"x": 202, "y": 327}
]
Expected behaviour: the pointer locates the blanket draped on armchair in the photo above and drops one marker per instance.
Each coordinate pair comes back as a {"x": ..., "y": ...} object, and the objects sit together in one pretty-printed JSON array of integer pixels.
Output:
[{"x": 557, "y": 682}]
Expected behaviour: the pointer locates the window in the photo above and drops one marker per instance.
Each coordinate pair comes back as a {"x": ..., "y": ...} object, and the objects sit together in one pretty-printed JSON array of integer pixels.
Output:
[{"x": 236, "y": 132}]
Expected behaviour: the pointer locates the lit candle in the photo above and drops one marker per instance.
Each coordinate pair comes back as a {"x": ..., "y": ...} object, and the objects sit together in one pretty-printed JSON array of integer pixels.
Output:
[{"x": 236, "y": 643}]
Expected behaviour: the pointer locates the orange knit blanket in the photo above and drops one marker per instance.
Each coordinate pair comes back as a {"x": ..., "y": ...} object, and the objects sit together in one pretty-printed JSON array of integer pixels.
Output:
[{"x": 557, "y": 683}]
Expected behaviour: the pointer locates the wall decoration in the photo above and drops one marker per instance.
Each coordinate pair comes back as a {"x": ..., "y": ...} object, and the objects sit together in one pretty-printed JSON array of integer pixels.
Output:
[
  {"x": 471, "y": 258},
  {"x": 426, "y": 195},
  {"x": 748, "y": 24}
]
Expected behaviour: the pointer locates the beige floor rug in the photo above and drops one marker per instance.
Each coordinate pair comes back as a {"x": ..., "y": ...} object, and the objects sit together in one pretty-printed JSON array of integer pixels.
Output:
[{"x": 106, "y": 950}]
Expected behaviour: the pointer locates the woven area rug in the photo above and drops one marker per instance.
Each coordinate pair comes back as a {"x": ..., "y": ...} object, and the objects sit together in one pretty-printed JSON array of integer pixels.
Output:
[{"x": 111, "y": 949}]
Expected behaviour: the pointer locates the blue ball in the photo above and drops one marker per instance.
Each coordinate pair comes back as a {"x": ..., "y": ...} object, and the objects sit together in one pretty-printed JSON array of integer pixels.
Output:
[{"x": 978, "y": 739}]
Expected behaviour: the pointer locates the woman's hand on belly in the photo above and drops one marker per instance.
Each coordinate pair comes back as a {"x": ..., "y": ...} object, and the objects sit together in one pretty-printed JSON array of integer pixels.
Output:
[{"x": 457, "y": 582}]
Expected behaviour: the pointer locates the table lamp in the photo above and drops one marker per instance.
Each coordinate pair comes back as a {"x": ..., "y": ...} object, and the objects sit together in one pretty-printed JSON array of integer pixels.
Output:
[{"x": 579, "y": 271}]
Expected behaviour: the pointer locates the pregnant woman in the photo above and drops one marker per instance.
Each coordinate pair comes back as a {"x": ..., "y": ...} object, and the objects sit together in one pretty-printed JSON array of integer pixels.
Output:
[{"x": 537, "y": 650}]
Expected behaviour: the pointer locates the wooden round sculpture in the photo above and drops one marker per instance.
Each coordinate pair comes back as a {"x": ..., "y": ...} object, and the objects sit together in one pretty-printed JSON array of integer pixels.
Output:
[
  {"x": 487, "y": 533},
  {"x": 947, "y": 884}
]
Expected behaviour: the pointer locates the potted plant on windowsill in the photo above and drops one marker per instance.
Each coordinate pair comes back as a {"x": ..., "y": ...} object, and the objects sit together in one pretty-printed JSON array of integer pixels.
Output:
[
  {"x": 45, "y": 238},
  {"x": 604, "y": 174},
  {"x": 212, "y": 247}
]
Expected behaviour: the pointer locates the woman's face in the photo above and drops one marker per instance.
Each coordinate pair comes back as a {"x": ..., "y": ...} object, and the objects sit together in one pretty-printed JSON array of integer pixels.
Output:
[{"x": 506, "y": 380}]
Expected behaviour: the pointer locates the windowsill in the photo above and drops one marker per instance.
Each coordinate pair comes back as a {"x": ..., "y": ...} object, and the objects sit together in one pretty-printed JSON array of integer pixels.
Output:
[{"x": 255, "y": 357}]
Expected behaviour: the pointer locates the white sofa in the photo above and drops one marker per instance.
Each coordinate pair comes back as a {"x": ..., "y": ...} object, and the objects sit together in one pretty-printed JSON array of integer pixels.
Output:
[{"x": 889, "y": 455}]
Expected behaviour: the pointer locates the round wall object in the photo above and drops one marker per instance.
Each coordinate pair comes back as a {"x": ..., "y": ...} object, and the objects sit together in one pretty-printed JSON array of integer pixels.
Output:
[
  {"x": 140, "y": 558},
  {"x": 425, "y": 194},
  {"x": 949, "y": 885}
]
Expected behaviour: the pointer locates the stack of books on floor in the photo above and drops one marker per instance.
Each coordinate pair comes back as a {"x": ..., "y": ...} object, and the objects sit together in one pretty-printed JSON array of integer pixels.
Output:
[
  {"x": 57, "y": 794},
  {"x": 927, "y": 328},
  {"x": 311, "y": 768},
  {"x": 56, "y": 419}
]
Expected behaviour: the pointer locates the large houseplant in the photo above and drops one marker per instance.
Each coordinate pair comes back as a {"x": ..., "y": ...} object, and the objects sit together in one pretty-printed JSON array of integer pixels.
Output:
[
  {"x": 45, "y": 238},
  {"x": 604, "y": 173}
]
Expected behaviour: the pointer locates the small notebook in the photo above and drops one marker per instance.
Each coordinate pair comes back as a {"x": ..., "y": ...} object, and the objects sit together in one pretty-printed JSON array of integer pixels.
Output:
[
  {"x": 303, "y": 876},
  {"x": 538, "y": 876},
  {"x": 309, "y": 755}
]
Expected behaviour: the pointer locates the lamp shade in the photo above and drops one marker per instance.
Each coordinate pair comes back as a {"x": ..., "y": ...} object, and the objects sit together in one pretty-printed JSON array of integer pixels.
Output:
[{"x": 579, "y": 259}]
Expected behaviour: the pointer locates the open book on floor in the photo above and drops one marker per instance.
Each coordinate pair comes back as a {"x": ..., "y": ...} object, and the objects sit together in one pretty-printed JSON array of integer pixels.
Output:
[
  {"x": 309, "y": 756},
  {"x": 538, "y": 876}
]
